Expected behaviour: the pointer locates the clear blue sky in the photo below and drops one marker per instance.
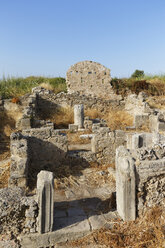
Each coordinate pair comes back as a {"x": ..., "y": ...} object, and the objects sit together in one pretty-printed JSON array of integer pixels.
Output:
[{"x": 45, "y": 37}]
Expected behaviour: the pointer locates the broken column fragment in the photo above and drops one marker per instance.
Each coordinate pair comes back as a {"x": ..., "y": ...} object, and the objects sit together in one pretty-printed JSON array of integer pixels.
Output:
[
  {"x": 125, "y": 185},
  {"x": 45, "y": 192},
  {"x": 79, "y": 115}
]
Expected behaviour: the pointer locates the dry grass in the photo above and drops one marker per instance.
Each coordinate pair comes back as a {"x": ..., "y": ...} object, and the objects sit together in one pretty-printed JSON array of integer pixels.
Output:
[
  {"x": 68, "y": 176},
  {"x": 159, "y": 84},
  {"x": 145, "y": 232},
  {"x": 118, "y": 119},
  {"x": 157, "y": 102},
  {"x": 7, "y": 126},
  {"x": 14, "y": 115},
  {"x": 74, "y": 138},
  {"x": 4, "y": 176},
  {"x": 61, "y": 117},
  {"x": 93, "y": 113},
  {"x": 47, "y": 86}
]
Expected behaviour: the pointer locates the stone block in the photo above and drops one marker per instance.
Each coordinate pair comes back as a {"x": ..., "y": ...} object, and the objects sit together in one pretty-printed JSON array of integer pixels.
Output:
[
  {"x": 45, "y": 192},
  {"x": 25, "y": 123},
  {"x": 73, "y": 127},
  {"x": 161, "y": 126},
  {"x": 125, "y": 185},
  {"x": 141, "y": 120}
]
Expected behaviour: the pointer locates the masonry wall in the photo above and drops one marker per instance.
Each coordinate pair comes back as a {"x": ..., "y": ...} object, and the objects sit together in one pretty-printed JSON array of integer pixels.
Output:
[
  {"x": 88, "y": 77},
  {"x": 35, "y": 150},
  {"x": 48, "y": 103},
  {"x": 105, "y": 142},
  {"x": 149, "y": 179},
  {"x": 47, "y": 148},
  {"x": 18, "y": 213}
]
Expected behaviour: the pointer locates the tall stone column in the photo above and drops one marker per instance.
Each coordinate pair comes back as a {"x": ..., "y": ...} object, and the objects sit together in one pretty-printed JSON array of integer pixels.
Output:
[
  {"x": 125, "y": 185},
  {"x": 79, "y": 115},
  {"x": 45, "y": 192}
]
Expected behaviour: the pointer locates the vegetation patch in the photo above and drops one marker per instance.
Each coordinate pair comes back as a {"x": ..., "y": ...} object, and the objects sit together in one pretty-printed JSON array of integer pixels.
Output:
[
  {"x": 16, "y": 87},
  {"x": 146, "y": 232}
]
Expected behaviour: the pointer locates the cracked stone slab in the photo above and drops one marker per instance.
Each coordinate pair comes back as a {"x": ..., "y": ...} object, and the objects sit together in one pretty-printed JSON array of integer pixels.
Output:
[{"x": 97, "y": 221}]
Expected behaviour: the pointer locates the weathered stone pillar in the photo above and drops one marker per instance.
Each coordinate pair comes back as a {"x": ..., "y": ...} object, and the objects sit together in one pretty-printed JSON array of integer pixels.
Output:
[
  {"x": 19, "y": 160},
  {"x": 45, "y": 192},
  {"x": 79, "y": 115},
  {"x": 125, "y": 184}
]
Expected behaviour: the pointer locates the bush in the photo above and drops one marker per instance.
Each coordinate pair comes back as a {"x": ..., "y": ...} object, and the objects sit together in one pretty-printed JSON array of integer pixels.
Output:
[{"x": 138, "y": 74}]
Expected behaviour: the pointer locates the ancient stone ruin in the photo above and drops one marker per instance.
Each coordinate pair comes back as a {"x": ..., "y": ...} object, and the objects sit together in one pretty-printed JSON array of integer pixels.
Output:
[
  {"x": 88, "y": 77},
  {"x": 60, "y": 190}
]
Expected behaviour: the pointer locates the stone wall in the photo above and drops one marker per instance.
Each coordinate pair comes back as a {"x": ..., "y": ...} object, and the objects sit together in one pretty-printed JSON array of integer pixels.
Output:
[
  {"x": 139, "y": 140},
  {"x": 48, "y": 102},
  {"x": 89, "y": 77},
  {"x": 105, "y": 142},
  {"x": 35, "y": 150},
  {"x": 137, "y": 106},
  {"x": 148, "y": 165},
  {"x": 29, "y": 111},
  {"x": 157, "y": 122},
  {"x": 19, "y": 160},
  {"x": 18, "y": 213}
]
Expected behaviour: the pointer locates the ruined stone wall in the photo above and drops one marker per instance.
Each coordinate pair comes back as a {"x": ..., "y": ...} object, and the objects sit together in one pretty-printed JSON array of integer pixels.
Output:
[
  {"x": 148, "y": 165},
  {"x": 19, "y": 160},
  {"x": 105, "y": 142},
  {"x": 150, "y": 168},
  {"x": 89, "y": 77},
  {"x": 34, "y": 150},
  {"x": 47, "y": 148},
  {"x": 139, "y": 108},
  {"x": 48, "y": 103},
  {"x": 18, "y": 213},
  {"x": 137, "y": 105}
]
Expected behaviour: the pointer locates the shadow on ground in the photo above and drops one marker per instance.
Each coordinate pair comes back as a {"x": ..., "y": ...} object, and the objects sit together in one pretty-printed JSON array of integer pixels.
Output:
[{"x": 73, "y": 212}]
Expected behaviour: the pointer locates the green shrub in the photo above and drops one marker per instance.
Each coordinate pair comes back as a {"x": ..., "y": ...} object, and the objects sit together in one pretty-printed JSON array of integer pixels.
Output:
[{"x": 138, "y": 74}]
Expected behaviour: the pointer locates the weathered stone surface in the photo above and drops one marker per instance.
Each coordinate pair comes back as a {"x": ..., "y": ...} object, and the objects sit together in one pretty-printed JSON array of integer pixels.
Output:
[
  {"x": 73, "y": 127},
  {"x": 104, "y": 143},
  {"x": 89, "y": 77},
  {"x": 19, "y": 160},
  {"x": 139, "y": 140},
  {"x": 25, "y": 123},
  {"x": 45, "y": 192},
  {"x": 149, "y": 164},
  {"x": 141, "y": 120},
  {"x": 125, "y": 185},
  {"x": 79, "y": 115},
  {"x": 97, "y": 221},
  {"x": 17, "y": 212},
  {"x": 137, "y": 105}
]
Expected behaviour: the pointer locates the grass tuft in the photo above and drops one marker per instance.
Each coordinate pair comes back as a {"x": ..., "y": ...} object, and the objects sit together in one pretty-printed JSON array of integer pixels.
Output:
[{"x": 16, "y": 87}]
